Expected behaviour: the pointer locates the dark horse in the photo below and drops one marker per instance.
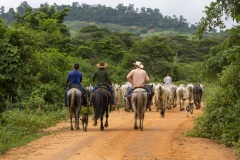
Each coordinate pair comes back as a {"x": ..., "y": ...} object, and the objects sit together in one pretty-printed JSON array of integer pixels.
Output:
[
  {"x": 197, "y": 95},
  {"x": 101, "y": 100},
  {"x": 139, "y": 103},
  {"x": 74, "y": 102}
]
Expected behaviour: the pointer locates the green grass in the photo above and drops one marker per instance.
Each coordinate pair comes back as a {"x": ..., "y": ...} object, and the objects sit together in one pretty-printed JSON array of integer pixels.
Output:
[
  {"x": 76, "y": 26},
  {"x": 19, "y": 127}
]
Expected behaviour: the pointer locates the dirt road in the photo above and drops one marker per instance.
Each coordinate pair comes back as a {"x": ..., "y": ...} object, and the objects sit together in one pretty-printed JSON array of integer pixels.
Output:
[{"x": 161, "y": 139}]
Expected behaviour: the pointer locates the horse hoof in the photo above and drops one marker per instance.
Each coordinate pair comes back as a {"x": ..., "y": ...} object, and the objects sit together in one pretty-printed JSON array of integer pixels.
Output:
[
  {"x": 95, "y": 124},
  {"x": 106, "y": 125},
  {"x": 102, "y": 129},
  {"x": 135, "y": 127}
]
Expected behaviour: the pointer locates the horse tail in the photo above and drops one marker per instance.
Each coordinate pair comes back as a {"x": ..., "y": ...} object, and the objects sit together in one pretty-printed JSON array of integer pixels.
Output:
[
  {"x": 72, "y": 108},
  {"x": 98, "y": 105},
  {"x": 140, "y": 104}
]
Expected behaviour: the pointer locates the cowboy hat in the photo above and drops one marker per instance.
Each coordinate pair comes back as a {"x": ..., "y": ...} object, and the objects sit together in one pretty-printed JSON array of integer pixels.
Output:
[
  {"x": 102, "y": 65},
  {"x": 139, "y": 64}
]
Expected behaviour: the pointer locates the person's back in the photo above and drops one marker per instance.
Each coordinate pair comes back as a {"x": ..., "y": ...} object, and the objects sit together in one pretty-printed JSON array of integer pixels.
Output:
[
  {"x": 101, "y": 77},
  {"x": 74, "y": 77},
  {"x": 167, "y": 80},
  {"x": 138, "y": 77}
]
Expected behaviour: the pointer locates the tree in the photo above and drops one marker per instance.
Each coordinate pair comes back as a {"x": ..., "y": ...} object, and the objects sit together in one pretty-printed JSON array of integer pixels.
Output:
[{"x": 215, "y": 13}]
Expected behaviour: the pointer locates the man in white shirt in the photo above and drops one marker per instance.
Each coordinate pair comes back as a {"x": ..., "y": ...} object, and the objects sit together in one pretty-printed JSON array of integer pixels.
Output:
[{"x": 167, "y": 79}]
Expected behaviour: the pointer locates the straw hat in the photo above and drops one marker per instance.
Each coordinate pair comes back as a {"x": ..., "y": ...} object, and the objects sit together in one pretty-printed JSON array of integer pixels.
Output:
[
  {"x": 102, "y": 65},
  {"x": 139, "y": 64}
]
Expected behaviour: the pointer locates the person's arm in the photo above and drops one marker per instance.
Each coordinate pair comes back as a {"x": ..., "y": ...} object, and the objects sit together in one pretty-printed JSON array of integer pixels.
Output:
[
  {"x": 129, "y": 77},
  {"x": 68, "y": 79},
  {"x": 146, "y": 78}
]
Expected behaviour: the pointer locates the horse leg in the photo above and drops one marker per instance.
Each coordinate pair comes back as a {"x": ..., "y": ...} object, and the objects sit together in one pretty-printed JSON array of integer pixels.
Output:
[
  {"x": 106, "y": 123},
  {"x": 77, "y": 121},
  {"x": 141, "y": 123},
  {"x": 71, "y": 122},
  {"x": 95, "y": 123},
  {"x": 135, "y": 121},
  {"x": 101, "y": 127}
]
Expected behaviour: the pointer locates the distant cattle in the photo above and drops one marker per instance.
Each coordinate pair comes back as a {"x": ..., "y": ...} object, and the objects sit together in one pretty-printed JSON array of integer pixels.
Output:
[
  {"x": 124, "y": 88},
  {"x": 182, "y": 95},
  {"x": 117, "y": 94},
  {"x": 197, "y": 95},
  {"x": 173, "y": 95},
  {"x": 162, "y": 98},
  {"x": 190, "y": 92},
  {"x": 89, "y": 91}
]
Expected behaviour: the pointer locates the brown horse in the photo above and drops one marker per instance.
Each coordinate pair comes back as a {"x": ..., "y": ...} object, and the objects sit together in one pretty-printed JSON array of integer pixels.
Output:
[
  {"x": 74, "y": 102},
  {"x": 101, "y": 101}
]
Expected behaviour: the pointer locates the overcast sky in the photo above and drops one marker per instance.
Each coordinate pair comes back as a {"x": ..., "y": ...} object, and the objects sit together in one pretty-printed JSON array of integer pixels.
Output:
[{"x": 192, "y": 10}]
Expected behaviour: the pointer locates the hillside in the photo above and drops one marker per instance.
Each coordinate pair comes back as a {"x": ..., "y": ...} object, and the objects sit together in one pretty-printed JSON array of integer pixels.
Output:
[{"x": 76, "y": 26}]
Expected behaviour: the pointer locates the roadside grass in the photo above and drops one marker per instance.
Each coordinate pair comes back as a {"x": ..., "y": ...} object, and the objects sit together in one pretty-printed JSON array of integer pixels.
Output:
[{"x": 19, "y": 127}]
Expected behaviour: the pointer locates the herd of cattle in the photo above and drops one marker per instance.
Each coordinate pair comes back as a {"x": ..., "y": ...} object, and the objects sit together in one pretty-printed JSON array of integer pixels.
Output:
[{"x": 164, "y": 96}]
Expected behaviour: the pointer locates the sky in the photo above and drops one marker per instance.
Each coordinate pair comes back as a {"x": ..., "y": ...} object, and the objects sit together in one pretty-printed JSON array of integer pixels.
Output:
[{"x": 192, "y": 10}]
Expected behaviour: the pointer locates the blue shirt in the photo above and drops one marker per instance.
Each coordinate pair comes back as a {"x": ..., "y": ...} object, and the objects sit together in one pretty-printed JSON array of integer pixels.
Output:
[{"x": 74, "y": 77}]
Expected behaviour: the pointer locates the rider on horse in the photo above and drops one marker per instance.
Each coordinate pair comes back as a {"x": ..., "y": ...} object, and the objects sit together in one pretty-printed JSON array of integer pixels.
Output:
[
  {"x": 102, "y": 79},
  {"x": 74, "y": 80},
  {"x": 138, "y": 78}
]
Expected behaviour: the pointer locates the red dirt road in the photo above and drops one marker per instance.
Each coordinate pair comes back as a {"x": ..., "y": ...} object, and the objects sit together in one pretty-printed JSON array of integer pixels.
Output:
[{"x": 161, "y": 139}]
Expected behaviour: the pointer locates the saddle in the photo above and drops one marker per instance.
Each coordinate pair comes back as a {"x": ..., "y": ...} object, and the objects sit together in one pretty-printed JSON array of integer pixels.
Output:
[
  {"x": 77, "y": 87},
  {"x": 103, "y": 88},
  {"x": 135, "y": 89}
]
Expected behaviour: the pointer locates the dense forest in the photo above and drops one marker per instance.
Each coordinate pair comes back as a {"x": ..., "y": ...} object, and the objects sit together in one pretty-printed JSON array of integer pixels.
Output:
[
  {"x": 122, "y": 15},
  {"x": 37, "y": 52}
]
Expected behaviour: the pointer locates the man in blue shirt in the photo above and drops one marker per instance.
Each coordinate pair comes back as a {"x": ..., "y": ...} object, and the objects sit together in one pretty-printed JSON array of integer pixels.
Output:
[{"x": 74, "y": 80}]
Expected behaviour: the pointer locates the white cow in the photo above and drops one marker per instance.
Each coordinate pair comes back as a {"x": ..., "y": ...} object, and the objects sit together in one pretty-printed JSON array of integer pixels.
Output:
[
  {"x": 190, "y": 92},
  {"x": 182, "y": 95},
  {"x": 117, "y": 94},
  {"x": 162, "y": 96},
  {"x": 173, "y": 98},
  {"x": 124, "y": 89}
]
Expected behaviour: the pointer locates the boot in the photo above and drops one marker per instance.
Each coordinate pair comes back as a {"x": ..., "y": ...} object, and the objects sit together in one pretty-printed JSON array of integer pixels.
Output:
[
  {"x": 129, "y": 102},
  {"x": 149, "y": 101}
]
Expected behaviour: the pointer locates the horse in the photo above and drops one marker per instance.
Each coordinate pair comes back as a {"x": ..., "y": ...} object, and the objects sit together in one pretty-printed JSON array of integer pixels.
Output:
[
  {"x": 197, "y": 95},
  {"x": 101, "y": 101},
  {"x": 74, "y": 102},
  {"x": 139, "y": 103}
]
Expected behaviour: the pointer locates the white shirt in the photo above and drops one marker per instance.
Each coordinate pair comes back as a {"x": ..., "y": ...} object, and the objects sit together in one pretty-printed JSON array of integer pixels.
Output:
[{"x": 167, "y": 80}]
